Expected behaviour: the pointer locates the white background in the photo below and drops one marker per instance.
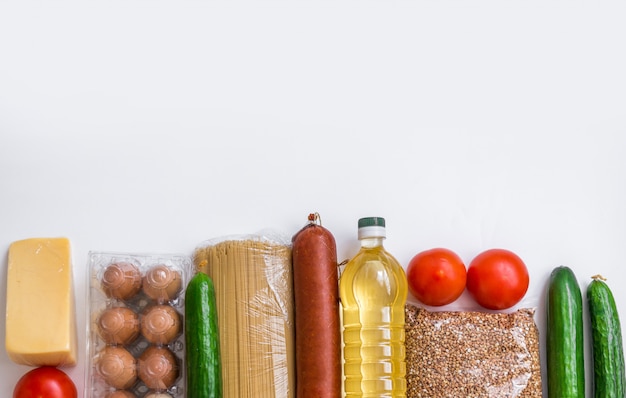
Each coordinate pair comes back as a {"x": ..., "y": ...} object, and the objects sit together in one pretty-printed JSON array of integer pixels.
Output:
[{"x": 150, "y": 126}]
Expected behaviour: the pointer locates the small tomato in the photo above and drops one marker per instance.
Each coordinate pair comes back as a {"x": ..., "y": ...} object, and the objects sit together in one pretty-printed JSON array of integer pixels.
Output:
[
  {"x": 497, "y": 279},
  {"x": 45, "y": 382},
  {"x": 436, "y": 277}
]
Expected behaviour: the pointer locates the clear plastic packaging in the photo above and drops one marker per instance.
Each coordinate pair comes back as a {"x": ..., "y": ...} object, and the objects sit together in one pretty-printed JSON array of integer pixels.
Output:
[
  {"x": 472, "y": 354},
  {"x": 253, "y": 282},
  {"x": 135, "y": 309}
]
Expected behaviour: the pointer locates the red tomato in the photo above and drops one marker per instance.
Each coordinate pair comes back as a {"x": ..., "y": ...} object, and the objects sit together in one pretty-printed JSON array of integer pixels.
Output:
[
  {"x": 436, "y": 277},
  {"x": 45, "y": 382},
  {"x": 497, "y": 279}
]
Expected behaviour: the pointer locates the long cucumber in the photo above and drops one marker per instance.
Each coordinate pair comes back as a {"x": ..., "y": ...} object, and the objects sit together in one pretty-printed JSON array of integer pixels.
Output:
[
  {"x": 202, "y": 345},
  {"x": 564, "y": 341},
  {"x": 609, "y": 379}
]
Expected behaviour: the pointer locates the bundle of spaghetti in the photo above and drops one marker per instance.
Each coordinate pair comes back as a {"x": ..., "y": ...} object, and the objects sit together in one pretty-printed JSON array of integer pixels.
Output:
[{"x": 254, "y": 294}]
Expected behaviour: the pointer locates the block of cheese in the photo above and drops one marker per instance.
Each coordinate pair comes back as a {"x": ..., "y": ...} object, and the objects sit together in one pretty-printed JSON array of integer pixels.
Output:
[{"x": 40, "y": 308}]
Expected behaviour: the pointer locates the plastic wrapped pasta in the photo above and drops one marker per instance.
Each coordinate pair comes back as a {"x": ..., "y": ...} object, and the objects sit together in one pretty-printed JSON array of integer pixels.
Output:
[
  {"x": 254, "y": 295},
  {"x": 472, "y": 354}
]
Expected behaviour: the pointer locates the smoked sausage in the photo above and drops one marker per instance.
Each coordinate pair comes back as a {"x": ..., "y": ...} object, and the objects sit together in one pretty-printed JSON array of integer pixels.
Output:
[{"x": 317, "y": 327}]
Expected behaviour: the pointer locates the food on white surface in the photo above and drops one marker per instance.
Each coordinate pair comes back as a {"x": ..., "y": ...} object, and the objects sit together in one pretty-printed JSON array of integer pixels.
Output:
[
  {"x": 162, "y": 283},
  {"x": 40, "y": 313},
  {"x": 117, "y": 367},
  {"x": 160, "y": 324},
  {"x": 118, "y": 325},
  {"x": 158, "y": 368},
  {"x": 121, "y": 280}
]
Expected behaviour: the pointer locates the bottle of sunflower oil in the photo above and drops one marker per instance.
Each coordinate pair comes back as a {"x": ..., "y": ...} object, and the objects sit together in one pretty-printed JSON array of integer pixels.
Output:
[{"x": 373, "y": 291}]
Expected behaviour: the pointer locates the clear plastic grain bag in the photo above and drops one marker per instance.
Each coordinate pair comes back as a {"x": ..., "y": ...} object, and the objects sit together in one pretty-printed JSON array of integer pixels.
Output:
[{"x": 472, "y": 354}]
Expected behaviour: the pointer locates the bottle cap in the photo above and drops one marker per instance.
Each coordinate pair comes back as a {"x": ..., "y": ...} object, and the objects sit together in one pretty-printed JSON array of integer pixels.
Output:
[{"x": 370, "y": 227}]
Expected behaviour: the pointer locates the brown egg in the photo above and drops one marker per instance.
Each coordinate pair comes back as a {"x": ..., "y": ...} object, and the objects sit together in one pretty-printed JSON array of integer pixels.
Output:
[
  {"x": 162, "y": 283},
  {"x": 121, "y": 280},
  {"x": 118, "y": 325},
  {"x": 117, "y": 367},
  {"x": 160, "y": 324},
  {"x": 120, "y": 394},
  {"x": 158, "y": 395},
  {"x": 158, "y": 368}
]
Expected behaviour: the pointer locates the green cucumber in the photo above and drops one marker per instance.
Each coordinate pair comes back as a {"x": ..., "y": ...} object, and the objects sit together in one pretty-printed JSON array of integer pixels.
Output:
[
  {"x": 564, "y": 331},
  {"x": 202, "y": 345},
  {"x": 609, "y": 379}
]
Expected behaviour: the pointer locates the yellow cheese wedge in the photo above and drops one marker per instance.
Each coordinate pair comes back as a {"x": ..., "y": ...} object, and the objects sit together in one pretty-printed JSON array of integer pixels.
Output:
[{"x": 40, "y": 316}]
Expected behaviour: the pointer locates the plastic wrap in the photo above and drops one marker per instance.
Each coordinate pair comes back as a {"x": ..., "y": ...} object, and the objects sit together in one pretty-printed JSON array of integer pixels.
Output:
[
  {"x": 472, "y": 354},
  {"x": 254, "y": 294},
  {"x": 135, "y": 340}
]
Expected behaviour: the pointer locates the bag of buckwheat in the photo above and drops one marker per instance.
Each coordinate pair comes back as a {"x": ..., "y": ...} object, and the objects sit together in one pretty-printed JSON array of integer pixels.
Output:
[{"x": 472, "y": 354}]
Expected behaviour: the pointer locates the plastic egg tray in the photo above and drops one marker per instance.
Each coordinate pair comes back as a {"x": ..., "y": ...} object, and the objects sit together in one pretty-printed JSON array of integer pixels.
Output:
[{"x": 135, "y": 325}]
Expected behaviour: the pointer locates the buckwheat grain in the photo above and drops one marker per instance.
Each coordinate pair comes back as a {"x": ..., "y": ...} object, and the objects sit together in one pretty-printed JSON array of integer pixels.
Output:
[{"x": 469, "y": 354}]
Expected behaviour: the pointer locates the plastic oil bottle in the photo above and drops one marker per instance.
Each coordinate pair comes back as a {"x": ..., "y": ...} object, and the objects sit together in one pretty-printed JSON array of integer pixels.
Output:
[{"x": 373, "y": 291}]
